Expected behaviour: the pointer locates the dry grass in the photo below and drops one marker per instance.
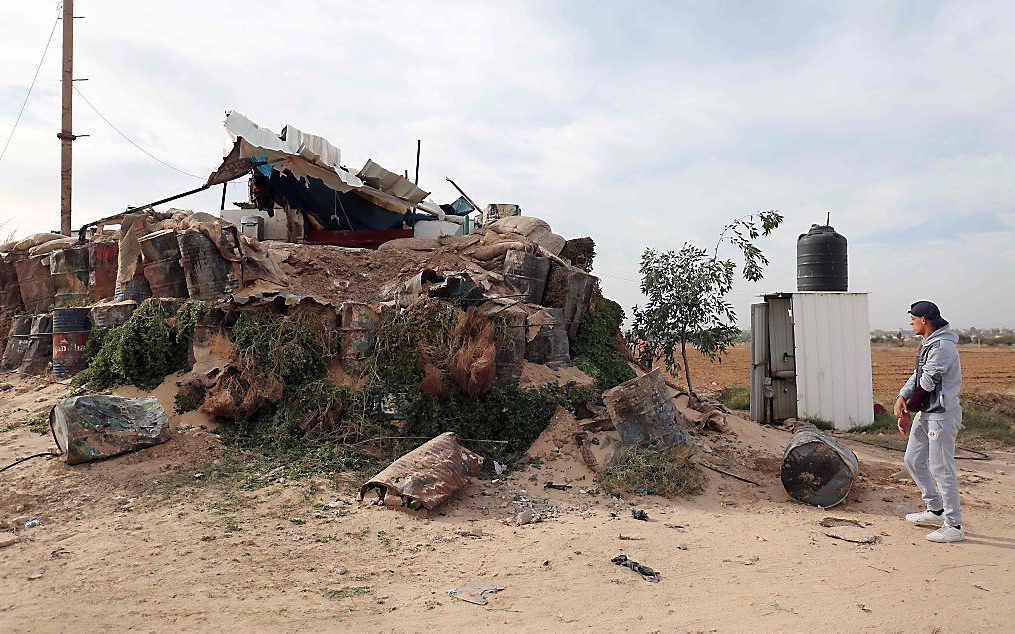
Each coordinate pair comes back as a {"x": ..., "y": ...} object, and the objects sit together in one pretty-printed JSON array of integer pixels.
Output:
[{"x": 474, "y": 353}]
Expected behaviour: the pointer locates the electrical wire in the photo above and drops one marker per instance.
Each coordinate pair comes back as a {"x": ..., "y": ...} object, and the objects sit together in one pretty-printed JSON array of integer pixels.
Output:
[
  {"x": 131, "y": 141},
  {"x": 31, "y": 87}
]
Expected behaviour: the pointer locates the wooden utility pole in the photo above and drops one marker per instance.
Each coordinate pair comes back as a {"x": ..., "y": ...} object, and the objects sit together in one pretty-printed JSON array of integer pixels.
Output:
[{"x": 66, "y": 135}]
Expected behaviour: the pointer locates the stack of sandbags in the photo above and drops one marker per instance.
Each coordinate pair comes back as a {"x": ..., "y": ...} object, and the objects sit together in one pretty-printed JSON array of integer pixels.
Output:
[{"x": 23, "y": 245}]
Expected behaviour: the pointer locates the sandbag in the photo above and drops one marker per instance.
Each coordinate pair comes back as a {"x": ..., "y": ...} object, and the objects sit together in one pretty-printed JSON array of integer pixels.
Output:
[
  {"x": 24, "y": 244},
  {"x": 94, "y": 427},
  {"x": 410, "y": 244},
  {"x": 53, "y": 245}
]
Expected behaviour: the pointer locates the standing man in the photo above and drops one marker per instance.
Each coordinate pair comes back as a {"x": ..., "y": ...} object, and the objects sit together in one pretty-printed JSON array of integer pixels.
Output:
[{"x": 933, "y": 393}]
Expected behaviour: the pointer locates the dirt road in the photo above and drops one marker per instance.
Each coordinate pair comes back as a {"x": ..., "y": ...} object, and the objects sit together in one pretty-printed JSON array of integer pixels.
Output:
[{"x": 181, "y": 537}]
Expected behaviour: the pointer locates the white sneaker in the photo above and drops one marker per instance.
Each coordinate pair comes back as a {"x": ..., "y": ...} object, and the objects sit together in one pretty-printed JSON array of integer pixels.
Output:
[
  {"x": 925, "y": 517},
  {"x": 947, "y": 534}
]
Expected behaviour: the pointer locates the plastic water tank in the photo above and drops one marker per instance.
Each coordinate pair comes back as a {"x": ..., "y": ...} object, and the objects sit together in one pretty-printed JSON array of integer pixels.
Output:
[{"x": 821, "y": 260}]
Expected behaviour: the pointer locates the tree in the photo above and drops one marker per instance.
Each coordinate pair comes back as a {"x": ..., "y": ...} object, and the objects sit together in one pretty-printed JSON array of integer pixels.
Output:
[{"x": 687, "y": 290}]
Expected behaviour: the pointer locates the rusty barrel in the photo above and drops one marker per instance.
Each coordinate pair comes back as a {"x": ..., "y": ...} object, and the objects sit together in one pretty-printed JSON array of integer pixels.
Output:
[
  {"x": 102, "y": 269},
  {"x": 70, "y": 334},
  {"x": 817, "y": 469},
  {"x": 17, "y": 343},
  {"x": 358, "y": 334},
  {"x": 206, "y": 271},
  {"x": 511, "y": 348},
  {"x": 547, "y": 339},
  {"x": 136, "y": 289},
  {"x": 644, "y": 413},
  {"x": 526, "y": 273},
  {"x": 69, "y": 270},
  {"x": 161, "y": 252},
  {"x": 35, "y": 283},
  {"x": 112, "y": 315},
  {"x": 10, "y": 292},
  {"x": 40, "y": 345}
]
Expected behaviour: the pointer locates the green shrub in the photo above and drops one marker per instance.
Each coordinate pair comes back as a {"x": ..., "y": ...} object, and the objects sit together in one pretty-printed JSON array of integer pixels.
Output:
[
  {"x": 735, "y": 397},
  {"x": 597, "y": 347},
  {"x": 652, "y": 471}
]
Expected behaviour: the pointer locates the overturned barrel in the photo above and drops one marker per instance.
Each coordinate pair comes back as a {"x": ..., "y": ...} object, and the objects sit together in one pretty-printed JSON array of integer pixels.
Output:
[
  {"x": 69, "y": 270},
  {"x": 39, "y": 353},
  {"x": 207, "y": 273},
  {"x": 102, "y": 264},
  {"x": 161, "y": 253},
  {"x": 10, "y": 292},
  {"x": 818, "y": 470},
  {"x": 35, "y": 283},
  {"x": 17, "y": 343},
  {"x": 526, "y": 273},
  {"x": 70, "y": 334}
]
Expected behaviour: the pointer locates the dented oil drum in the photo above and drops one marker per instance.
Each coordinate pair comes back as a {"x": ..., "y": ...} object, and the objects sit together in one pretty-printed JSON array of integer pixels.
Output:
[
  {"x": 526, "y": 273},
  {"x": 207, "y": 273},
  {"x": 40, "y": 346},
  {"x": 17, "y": 343},
  {"x": 358, "y": 334},
  {"x": 70, "y": 334},
  {"x": 112, "y": 315},
  {"x": 546, "y": 339},
  {"x": 10, "y": 292},
  {"x": 69, "y": 270},
  {"x": 644, "y": 413},
  {"x": 161, "y": 253},
  {"x": 816, "y": 469},
  {"x": 35, "y": 283},
  {"x": 136, "y": 289},
  {"x": 102, "y": 270}
]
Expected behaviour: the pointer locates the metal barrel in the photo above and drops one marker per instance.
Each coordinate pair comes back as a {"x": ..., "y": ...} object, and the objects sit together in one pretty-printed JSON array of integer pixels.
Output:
[
  {"x": 136, "y": 289},
  {"x": 511, "y": 349},
  {"x": 816, "y": 469},
  {"x": 10, "y": 292},
  {"x": 17, "y": 343},
  {"x": 358, "y": 334},
  {"x": 547, "y": 339},
  {"x": 112, "y": 315},
  {"x": 40, "y": 346},
  {"x": 69, "y": 270},
  {"x": 102, "y": 269},
  {"x": 206, "y": 271},
  {"x": 644, "y": 413},
  {"x": 70, "y": 334},
  {"x": 526, "y": 273},
  {"x": 35, "y": 283},
  {"x": 161, "y": 252}
]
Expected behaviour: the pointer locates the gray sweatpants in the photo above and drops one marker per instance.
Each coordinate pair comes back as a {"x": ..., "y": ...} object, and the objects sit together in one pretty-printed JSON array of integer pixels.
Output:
[{"x": 930, "y": 458}]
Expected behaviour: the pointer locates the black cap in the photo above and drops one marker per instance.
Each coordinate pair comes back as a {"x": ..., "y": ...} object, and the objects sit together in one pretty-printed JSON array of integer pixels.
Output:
[{"x": 928, "y": 310}]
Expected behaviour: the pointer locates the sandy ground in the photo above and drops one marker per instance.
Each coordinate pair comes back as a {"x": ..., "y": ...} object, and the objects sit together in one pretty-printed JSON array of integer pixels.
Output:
[
  {"x": 983, "y": 368},
  {"x": 171, "y": 539}
]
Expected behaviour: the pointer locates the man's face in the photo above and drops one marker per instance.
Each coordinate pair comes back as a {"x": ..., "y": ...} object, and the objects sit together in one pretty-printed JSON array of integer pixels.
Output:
[{"x": 920, "y": 325}]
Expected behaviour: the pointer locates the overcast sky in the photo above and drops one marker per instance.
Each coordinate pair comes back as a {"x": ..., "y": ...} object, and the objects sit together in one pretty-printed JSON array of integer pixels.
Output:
[{"x": 637, "y": 123}]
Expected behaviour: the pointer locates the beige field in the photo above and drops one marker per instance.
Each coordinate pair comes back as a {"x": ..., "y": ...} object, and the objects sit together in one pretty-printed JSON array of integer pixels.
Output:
[{"x": 984, "y": 368}]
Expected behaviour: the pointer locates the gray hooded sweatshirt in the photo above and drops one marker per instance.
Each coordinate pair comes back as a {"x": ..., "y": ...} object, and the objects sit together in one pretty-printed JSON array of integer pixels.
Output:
[{"x": 942, "y": 365}]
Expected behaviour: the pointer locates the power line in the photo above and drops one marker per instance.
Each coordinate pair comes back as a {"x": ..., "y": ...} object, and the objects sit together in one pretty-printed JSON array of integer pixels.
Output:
[
  {"x": 129, "y": 140},
  {"x": 17, "y": 120}
]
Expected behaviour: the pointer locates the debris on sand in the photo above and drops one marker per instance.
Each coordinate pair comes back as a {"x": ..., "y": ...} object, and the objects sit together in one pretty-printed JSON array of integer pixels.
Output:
[
  {"x": 89, "y": 428},
  {"x": 646, "y": 573},
  {"x": 428, "y": 475}
]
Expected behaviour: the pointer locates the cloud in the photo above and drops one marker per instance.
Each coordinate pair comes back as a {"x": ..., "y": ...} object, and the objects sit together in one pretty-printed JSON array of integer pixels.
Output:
[{"x": 639, "y": 128}]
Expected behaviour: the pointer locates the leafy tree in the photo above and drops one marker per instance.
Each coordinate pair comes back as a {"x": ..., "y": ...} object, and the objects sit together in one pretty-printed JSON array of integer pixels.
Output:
[{"x": 687, "y": 290}]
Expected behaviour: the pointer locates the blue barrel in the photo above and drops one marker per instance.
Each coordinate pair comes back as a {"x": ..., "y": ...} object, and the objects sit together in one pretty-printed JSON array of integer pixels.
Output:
[{"x": 70, "y": 334}]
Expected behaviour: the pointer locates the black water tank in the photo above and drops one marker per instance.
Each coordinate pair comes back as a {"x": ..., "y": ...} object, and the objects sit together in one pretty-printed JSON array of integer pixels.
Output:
[{"x": 821, "y": 260}]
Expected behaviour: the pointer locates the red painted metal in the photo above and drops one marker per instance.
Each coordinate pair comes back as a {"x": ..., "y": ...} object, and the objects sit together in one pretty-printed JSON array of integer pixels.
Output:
[{"x": 362, "y": 239}]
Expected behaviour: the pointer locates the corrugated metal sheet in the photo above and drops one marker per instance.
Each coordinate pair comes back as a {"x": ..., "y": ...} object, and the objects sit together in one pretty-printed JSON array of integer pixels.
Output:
[{"x": 833, "y": 358}]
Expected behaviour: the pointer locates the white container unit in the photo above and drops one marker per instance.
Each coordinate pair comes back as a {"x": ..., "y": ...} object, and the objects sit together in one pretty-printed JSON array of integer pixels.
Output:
[{"x": 811, "y": 358}]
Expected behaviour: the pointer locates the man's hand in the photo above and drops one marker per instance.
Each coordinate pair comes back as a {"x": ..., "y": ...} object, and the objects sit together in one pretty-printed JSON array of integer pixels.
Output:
[
  {"x": 905, "y": 422},
  {"x": 900, "y": 407}
]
